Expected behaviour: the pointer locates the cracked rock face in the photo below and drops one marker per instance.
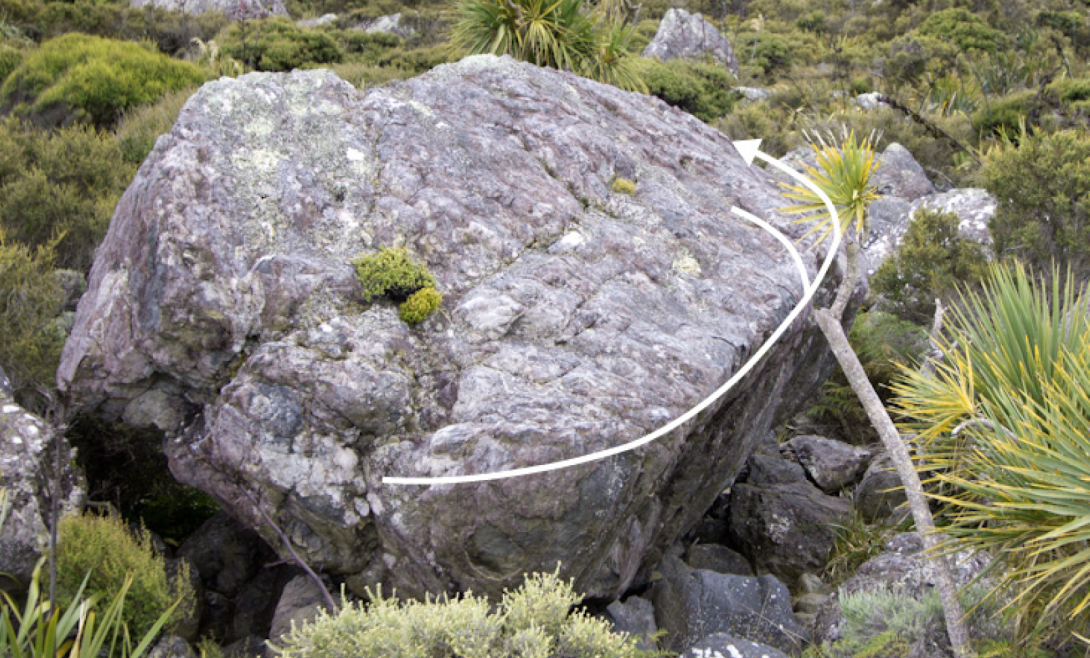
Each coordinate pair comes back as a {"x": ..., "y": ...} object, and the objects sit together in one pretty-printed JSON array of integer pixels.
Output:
[
  {"x": 223, "y": 309},
  {"x": 26, "y": 479}
]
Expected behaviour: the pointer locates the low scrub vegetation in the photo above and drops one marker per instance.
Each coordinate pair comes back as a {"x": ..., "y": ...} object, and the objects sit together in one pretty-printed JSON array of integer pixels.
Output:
[
  {"x": 535, "y": 621},
  {"x": 80, "y": 78}
]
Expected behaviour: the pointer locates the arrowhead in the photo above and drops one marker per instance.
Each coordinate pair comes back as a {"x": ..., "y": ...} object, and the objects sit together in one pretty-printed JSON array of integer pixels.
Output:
[{"x": 748, "y": 148}]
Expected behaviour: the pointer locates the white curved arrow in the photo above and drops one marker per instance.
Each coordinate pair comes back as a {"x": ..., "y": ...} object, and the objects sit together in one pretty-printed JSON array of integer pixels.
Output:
[{"x": 748, "y": 150}]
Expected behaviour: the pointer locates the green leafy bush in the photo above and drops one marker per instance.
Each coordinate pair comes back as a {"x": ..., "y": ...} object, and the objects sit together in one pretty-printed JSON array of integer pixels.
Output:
[
  {"x": 766, "y": 51},
  {"x": 10, "y": 59},
  {"x": 89, "y": 79},
  {"x": 1043, "y": 188},
  {"x": 932, "y": 260},
  {"x": 59, "y": 188},
  {"x": 1004, "y": 114},
  {"x": 30, "y": 301},
  {"x": 139, "y": 128},
  {"x": 963, "y": 28},
  {"x": 532, "y": 622},
  {"x": 703, "y": 90},
  {"x": 111, "y": 553},
  {"x": 419, "y": 305},
  {"x": 277, "y": 44}
]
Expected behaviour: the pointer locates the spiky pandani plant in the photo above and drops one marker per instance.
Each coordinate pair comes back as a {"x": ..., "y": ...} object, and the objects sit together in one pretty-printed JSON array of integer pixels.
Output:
[
  {"x": 845, "y": 168},
  {"x": 87, "y": 628},
  {"x": 559, "y": 34},
  {"x": 1004, "y": 425}
]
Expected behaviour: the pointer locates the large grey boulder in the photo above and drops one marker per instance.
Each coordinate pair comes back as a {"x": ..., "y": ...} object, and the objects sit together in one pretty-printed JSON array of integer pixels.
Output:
[
  {"x": 682, "y": 35},
  {"x": 693, "y": 604},
  {"x": 27, "y": 477},
  {"x": 223, "y": 309},
  {"x": 236, "y": 10}
]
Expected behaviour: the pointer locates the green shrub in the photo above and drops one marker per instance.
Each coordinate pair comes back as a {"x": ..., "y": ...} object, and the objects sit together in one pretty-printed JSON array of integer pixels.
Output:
[
  {"x": 90, "y": 79},
  {"x": 139, "y": 128},
  {"x": 418, "y": 60},
  {"x": 392, "y": 273},
  {"x": 623, "y": 186},
  {"x": 277, "y": 44},
  {"x": 532, "y": 622},
  {"x": 60, "y": 184},
  {"x": 768, "y": 52},
  {"x": 912, "y": 56},
  {"x": 30, "y": 301},
  {"x": 963, "y": 28},
  {"x": 932, "y": 260},
  {"x": 419, "y": 305},
  {"x": 703, "y": 90},
  {"x": 10, "y": 59},
  {"x": 368, "y": 47},
  {"x": 105, "y": 547},
  {"x": 1043, "y": 188},
  {"x": 1005, "y": 114}
]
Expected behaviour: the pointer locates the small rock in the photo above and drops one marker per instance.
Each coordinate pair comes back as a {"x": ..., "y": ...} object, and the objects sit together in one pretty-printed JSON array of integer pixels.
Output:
[
  {"x": 722, "y": 645},
  {"x": 766, "y": 470},
  {"x": 785, "y": 529},
  {"x": 975, "y": 207},
  {"x": 300, "y": 602},
  {"x": 692, "y": 604},
  {"x": 171, "y": 646},
  {"x": 682, "y": 35},
  {"x": 832, "y": 465},
  {"x": 810, "y": 603},
  {"x": 810, "y": 583},
  {"x": 879, "y": 493},
  {"x": 900, "y": 175},
  {"x": 753, "y": 93},
  {"x": 868, "y": 101},
  {"x": 324, "y": 19},
  {"x": 720, "y": 559},
  {"x": 390, "y": 24},
  {"x": 636, "y": 617}
]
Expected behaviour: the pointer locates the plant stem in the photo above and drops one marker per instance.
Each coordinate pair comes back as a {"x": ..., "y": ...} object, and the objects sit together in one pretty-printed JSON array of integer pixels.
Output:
[{"x": 830, "y": 322}]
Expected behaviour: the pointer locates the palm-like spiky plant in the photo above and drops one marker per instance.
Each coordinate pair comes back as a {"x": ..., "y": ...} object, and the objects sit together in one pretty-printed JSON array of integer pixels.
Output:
[
  {"x": 556, "y": 33},
  {"x": 1004, "y": 425},
  {"x": 844, "y": 174}
]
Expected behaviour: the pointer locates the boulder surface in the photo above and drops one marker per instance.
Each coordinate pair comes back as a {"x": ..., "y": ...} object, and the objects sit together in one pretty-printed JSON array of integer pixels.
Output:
[
  {"x": 236, "y": 10},
  {"x": 26, "y": 482},
  {"x": 223, "y": 309},
  {"x": 682, "y": 35}
]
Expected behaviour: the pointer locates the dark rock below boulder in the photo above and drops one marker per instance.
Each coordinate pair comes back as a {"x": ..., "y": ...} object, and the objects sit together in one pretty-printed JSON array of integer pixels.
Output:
[
  {"x": 784, "y": 529},
  {"x": 300, "y": 601},
  {"x": 636, "y": 617},
  {"x": 682, "y": 35},
  {"x": 879, "y": 493},
  {"x": 693, "y": 604},
  {"x": 224, "y": 307},
  {"x": 713, "y": 557},
  {"x": 831, "y": 465},
  {"x": 721, "y": 645},
  {"x": 26, "y": 464}
]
